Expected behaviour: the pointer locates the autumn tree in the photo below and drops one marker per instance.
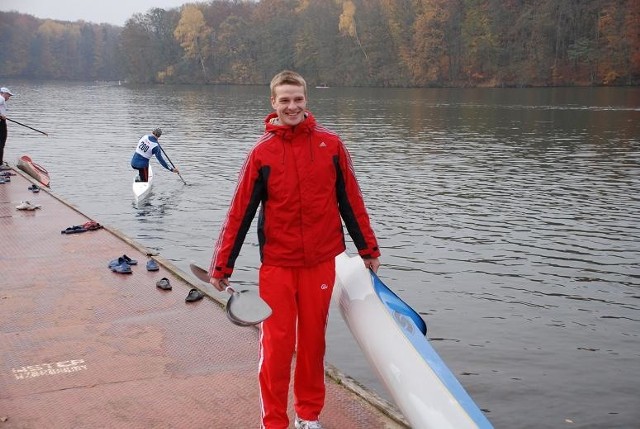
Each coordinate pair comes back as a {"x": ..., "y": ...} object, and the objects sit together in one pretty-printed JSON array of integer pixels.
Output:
[
  {"x": 233, "y": 50},
  {"x": 434, "y": 40},
  {"x": 631, "y": 39},
  {"x": 137, "y": 50},
  {"x": 194, "y": 36},
  {"x": 273, "y": 26},
  {"x": 17, "y": 32},
  {"x": 317, "y": 41},
  {"x": 347, "y": 23},
  {"x": 479, "y": 40}
]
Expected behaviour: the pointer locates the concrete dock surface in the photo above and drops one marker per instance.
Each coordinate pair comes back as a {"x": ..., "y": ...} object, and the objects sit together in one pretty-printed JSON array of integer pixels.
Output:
[{"x": 84, "y": 347}]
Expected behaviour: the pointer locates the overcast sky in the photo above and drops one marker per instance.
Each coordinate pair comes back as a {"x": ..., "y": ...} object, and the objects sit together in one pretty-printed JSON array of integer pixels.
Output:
[{"x": 114, "y": 12}]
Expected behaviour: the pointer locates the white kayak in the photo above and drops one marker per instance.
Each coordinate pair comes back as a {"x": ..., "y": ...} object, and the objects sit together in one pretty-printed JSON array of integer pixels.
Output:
[
  {"x": 141, "y": 190},
  {"x": 392, "y": 337}
]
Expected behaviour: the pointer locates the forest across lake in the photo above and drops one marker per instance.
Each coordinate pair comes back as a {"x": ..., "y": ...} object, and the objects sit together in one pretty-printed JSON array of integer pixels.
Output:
[{"x": 348, "y": 43}]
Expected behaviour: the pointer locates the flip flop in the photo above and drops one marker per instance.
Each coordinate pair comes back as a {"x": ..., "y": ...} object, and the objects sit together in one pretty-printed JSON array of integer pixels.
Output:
[
  {"x": 123, "y": 268},
  {"x": 163, "y": 284},
  {"x": 194, "y": 295},
  {"x": 115, "y": 262},
  {"x": 129, "y": 260},
  {"x": 152, "y": 265}
]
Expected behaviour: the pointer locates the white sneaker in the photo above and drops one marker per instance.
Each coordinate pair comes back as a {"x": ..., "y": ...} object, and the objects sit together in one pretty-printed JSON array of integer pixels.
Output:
[
  {"x": 307, "y": 424},
  {"x": 26, "y": 205}
]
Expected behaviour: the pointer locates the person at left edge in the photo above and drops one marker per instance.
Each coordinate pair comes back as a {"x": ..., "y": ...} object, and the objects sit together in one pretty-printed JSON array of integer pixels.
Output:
[
  {"x": 5, "y": 94},
  {"x": 147, "y": 147}
]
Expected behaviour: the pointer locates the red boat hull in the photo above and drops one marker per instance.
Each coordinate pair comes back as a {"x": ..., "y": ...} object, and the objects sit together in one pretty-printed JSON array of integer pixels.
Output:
[{"x": 26, "y": 164}]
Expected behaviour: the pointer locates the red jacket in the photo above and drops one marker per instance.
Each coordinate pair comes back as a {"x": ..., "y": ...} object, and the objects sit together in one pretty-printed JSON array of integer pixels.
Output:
[{"x": 304, "y": 181}]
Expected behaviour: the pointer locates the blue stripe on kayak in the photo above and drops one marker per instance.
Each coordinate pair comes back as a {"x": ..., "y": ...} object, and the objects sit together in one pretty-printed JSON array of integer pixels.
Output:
[
  {"x": 404, "y": 317},
  {"x": 395, "y": 303}
]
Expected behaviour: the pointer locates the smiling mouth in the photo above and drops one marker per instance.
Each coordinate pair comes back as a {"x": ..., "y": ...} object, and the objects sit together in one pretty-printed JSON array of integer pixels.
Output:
[{"x": 293, "y": 116}]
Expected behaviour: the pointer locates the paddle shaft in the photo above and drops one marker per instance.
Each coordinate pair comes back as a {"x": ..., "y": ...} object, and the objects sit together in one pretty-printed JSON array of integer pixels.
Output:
[
  {"x": 27, "y": 126},
  {"x": 174, "y": 166}
]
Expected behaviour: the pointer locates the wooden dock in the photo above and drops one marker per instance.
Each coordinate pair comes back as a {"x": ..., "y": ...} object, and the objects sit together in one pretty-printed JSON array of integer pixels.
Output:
[{"x": 84, "y": 347}]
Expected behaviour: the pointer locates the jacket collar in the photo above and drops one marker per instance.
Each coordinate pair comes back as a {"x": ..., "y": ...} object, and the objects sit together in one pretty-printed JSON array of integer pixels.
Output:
[{"x": 272, "y": 125}]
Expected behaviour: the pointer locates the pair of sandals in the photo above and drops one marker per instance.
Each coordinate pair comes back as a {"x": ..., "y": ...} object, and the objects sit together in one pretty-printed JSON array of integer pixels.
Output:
[
  {"x": 122, "y": 265},
  {"x": 194, "y": 294}
]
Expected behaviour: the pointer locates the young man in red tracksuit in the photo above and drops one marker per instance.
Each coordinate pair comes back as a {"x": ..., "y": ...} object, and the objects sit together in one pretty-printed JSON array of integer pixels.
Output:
[{"x": 300, "y": 175}]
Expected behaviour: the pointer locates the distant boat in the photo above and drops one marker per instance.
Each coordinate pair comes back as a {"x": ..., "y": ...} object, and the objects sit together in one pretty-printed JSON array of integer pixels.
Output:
[{"x": 322, "y": 86}]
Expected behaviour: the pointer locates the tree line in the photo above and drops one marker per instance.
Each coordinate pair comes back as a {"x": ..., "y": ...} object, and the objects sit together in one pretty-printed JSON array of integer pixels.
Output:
[{"x": 384, "y": 43}]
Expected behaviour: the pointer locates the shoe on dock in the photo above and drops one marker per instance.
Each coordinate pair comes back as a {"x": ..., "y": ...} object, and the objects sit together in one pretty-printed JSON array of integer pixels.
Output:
[
  {"x": 152, "y": 265},
  {"x": 163, "y": 284},
  {"x": 194, "y": 295},
  {"x": 307, "y": 424},
  {"x": 26, "y": 205}
]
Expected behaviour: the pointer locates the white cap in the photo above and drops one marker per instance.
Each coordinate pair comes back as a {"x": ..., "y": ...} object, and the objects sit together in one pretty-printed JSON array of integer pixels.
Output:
[{"x": 5, "y": 90}]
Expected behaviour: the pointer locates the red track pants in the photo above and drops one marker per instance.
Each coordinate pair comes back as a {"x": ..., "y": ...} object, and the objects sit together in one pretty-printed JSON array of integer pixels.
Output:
[{"x": 300, "y": 299}]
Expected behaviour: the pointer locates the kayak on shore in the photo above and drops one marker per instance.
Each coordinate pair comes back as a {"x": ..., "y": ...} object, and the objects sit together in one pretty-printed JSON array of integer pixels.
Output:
[{"x": 38, "y": 172}]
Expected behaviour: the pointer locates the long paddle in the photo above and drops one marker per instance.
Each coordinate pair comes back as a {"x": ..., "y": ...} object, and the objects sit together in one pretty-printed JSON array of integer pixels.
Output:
[
  {"x": 244, "y": 308},
  {"x": 174, "y": 166},
  {"x": 27, "y": 126}
]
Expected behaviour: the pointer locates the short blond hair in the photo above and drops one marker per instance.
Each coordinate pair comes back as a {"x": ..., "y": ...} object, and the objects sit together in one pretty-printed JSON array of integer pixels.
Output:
[{"x": 287, "y": 77}]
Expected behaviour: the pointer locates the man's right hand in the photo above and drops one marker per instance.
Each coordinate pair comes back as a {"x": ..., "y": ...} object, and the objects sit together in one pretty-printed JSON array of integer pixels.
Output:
[{"x": 220, "y": 284}]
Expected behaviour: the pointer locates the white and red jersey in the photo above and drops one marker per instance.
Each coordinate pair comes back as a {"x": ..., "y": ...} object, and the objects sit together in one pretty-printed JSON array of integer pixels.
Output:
[{"x": 146, "y": 145}]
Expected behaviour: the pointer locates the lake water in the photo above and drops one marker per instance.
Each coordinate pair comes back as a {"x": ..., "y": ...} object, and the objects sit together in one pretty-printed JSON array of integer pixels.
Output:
[{"x": 509, "y": 218}]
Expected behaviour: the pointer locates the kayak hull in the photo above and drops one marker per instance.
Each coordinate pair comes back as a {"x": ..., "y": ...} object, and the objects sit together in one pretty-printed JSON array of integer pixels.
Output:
[
  {"x": 141, "y": 190},
  {"x": 26, "y": 164},
  {"x": 421, "y": 384}
]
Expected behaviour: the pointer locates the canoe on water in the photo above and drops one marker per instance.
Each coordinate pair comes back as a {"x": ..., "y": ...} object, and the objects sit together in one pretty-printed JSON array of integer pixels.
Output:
[
  {"x": 26, "y": 164},
  {"x": 141, "y": 190},
  {"x": 392, "y": 337}
]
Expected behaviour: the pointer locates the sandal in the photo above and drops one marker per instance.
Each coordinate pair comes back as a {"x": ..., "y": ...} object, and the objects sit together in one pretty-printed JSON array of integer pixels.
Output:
[
  {"x": 194, "y": 295},
  {"x": 152, "y": 265},
  {"x": 163, "y": 284}
]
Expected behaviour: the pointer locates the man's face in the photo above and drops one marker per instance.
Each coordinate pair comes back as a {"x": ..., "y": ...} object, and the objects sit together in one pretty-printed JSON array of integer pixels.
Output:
[{"x": 290, "y": 103}]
